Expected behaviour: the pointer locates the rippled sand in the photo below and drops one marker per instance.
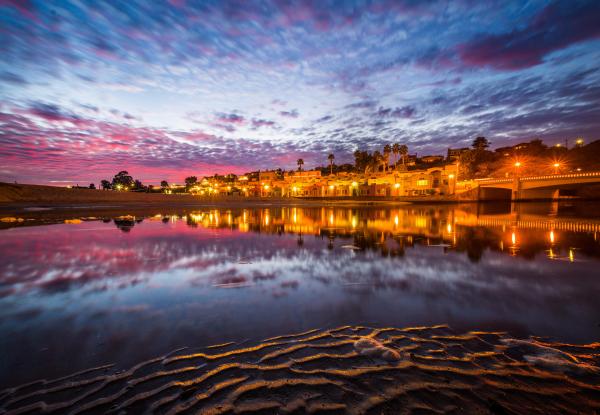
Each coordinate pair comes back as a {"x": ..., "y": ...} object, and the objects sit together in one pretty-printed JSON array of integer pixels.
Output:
[{"x": 352, "y": 370}]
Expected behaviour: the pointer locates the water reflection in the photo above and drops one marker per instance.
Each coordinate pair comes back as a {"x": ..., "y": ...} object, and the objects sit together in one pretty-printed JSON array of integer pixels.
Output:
[{"x": 73, "y": 295}]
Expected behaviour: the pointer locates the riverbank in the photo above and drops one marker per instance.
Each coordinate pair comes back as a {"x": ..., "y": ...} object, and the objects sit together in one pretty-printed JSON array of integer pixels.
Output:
[{"x": 17, "y": 196}]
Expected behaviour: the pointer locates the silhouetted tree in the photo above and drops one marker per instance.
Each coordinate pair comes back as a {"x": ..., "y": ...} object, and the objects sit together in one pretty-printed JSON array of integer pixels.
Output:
[
  {"x": 164, "y": 184},
  {"x": 190, "y": 181},
  {"x": 387, "y": 150},
  {"x": 330, "y": 157},
  {"x": 300, "y": 163},
  {"x": 137, "y": 185},
  {"x": 105, "y": 185},
  {"x": 396, "y": 151},
  {"x": 122, "y": 178},
  {"x": 481, "y": 143},
  {"x": 92, "y": 186},
  {"x": 403, "y": 150}
]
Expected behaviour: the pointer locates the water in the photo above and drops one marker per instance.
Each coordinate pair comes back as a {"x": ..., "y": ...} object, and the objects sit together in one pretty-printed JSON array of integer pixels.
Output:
[{"x": 110, "y": 288}]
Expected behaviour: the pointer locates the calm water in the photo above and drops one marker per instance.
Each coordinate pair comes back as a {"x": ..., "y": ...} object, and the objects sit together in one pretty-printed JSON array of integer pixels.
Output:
[{"x": 108, "y": 289}]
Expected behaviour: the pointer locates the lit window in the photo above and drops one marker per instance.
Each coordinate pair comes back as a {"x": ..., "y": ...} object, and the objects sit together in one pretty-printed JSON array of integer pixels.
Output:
[{"x": 422, "y": 182}]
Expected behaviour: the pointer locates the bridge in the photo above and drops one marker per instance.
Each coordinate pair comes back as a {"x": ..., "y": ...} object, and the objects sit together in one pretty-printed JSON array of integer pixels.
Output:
[{"x": 535, "y": 187}]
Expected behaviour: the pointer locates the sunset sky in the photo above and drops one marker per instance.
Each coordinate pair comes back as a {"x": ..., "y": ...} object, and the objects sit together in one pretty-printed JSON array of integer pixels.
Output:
[{"x": 170, "y": 89}]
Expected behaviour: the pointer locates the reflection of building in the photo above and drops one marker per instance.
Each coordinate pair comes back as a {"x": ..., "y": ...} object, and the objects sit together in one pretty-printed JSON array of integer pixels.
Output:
[{"x": 453, "y": 229}]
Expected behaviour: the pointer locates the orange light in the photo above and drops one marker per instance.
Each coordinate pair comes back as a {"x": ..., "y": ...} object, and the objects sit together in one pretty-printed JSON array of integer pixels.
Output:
[{"x": 518, "y": 164}]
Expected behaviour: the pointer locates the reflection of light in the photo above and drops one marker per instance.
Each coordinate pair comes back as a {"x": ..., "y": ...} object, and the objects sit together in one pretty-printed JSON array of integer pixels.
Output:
[
  {"x": 396, "y": 221},
  {"x": 421, "y": 222},
  {"x": 331, "y": 218},
  {"x": 552, "y": 237},
  {"x": 513, "y": 238},
  {"x": 267, "y": 218},
  {"x": 571, "y": 255},
  {"x": 354, "y": 222},
  {"x": 550, "y": 253},
  {"x": 244, "y": 216},
  {"x": 449, "y": 228}
]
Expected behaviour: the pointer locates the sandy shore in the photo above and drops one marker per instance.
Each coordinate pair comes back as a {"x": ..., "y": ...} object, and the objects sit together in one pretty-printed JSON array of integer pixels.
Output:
[
  {"x": 355, "y": 370},
  {"x": 22, "y": 195}
]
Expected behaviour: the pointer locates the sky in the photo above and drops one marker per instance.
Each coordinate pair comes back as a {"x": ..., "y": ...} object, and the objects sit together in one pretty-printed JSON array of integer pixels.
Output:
[{"x": 168, "y": 89}]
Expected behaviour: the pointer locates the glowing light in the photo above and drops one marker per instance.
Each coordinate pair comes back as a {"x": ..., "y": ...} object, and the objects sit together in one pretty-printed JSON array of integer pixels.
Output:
[
  {"x": 266, "y": 187},
  {"x": 518, "y": 164},
  {"x": 451, "y": 176},
  {"x": 551, "y": 237},
  {"x": 571, "y": 255},
  {"x": 513, "y": 238},
  {"x": 449, "y": 228},
  {"x": 229, "y": 188},
  {"x": 396, "y": 220},
  {"x": 579, "y": 141},
  {"x": 397, "y": 185},
  {"x": 354, "y": 184},
  {"x": 330, "y": 187},
  {"x": 354, "y": 222},
  {"x": 558, "y": 145},
  {"x": 331, "y": 218}
]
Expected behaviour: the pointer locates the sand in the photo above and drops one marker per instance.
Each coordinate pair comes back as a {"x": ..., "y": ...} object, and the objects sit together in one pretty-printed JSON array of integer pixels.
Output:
[
  {"x": 354, "y": 370},
  {"x": 26, "y": 195}
]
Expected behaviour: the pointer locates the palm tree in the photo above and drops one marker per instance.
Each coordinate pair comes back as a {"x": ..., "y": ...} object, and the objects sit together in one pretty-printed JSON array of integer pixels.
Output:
[
  {"x": 300, "y": 163},
  {"x": 387, "y": 150},
  {"x": 396, "y": 151},
  {"x": 330, "y": 157},
  {"x": 403, "y": 150}
]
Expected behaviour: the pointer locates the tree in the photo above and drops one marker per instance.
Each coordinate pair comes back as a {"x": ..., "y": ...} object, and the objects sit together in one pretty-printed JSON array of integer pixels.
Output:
[
  {"x": 300, "y": 163},
  {"x": 387, "y": 150},
  {"x": 480, "y": 143},
  {"x": 330, "y": 157},
  {"x": 122, "y": 180},
  {"x": 403, "y": 150},
  {"x": 164, "y": 184},
  {"x": 190, "y": 181},
  {"x": 105, "y": 185},
  {"x": 396, "y": 151},
  {"x": 92, "y": 186},
  {"x": 137, "y": 185}
]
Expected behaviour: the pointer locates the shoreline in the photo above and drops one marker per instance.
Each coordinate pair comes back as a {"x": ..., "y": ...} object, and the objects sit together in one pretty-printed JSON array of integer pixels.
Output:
[{"x": 23, "y": 197}]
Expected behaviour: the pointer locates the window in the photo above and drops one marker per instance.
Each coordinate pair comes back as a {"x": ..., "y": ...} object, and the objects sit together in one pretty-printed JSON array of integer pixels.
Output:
[{"x": 422, "y": 182}]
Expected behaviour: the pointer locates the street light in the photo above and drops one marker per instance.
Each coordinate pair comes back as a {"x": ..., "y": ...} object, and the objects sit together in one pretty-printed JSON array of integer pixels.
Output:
[
  {"x": 579, "y": 142},
  {"x": 517, "y": 166},
  {"x": 556, "y": 166}
]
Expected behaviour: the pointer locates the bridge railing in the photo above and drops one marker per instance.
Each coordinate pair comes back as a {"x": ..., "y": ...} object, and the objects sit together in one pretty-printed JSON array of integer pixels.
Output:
[
  {"x": 563, "y": 176},
  {"x": 586, "y": 175}
]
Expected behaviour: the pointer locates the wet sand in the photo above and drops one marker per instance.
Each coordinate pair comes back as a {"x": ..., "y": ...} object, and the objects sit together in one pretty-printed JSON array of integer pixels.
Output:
[{"x": 355, "y": 370}]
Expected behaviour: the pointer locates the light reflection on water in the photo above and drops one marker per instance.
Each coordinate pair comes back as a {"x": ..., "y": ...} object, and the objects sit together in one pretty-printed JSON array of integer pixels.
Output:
[{"x": 126, "y": 288}]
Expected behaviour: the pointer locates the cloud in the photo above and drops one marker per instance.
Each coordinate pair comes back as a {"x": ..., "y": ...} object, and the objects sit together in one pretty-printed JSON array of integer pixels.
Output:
[
  {"x": 289, "y": 114},
  {"x": 557, "y": 26},
  {"x": 403, "y": 112}
]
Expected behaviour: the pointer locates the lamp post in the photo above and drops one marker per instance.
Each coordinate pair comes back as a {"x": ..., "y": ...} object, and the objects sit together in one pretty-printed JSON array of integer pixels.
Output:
[{"x": 517, "y": 167}]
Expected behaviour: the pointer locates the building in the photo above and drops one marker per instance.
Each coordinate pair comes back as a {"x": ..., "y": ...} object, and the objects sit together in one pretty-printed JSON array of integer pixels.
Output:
[{"x": 455, "y": 153}]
